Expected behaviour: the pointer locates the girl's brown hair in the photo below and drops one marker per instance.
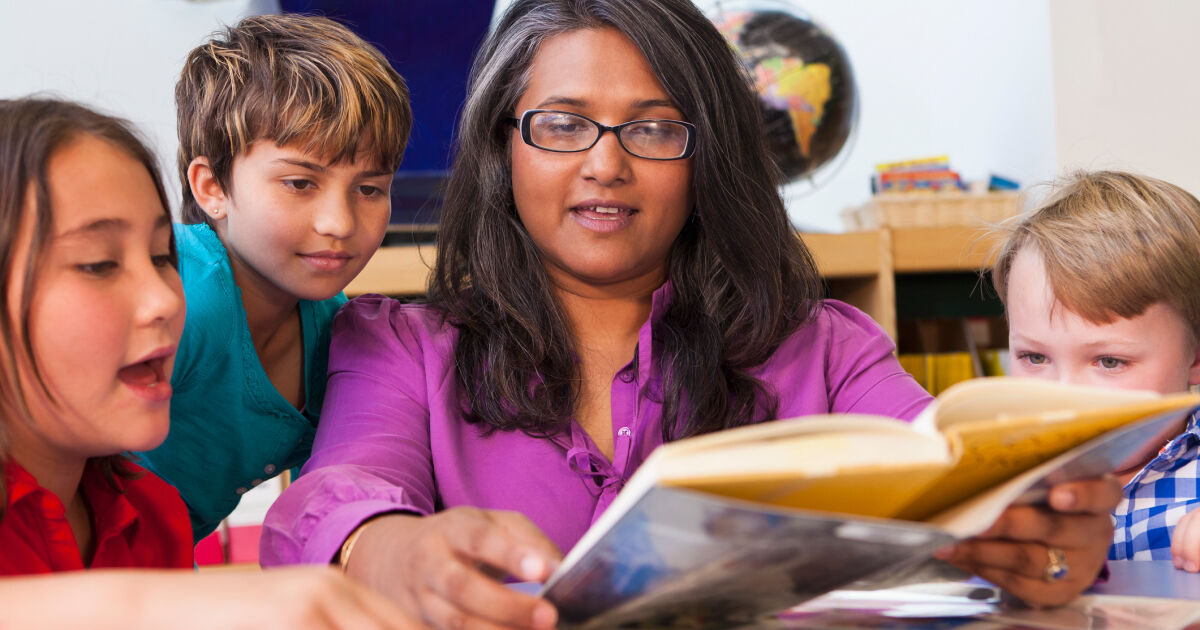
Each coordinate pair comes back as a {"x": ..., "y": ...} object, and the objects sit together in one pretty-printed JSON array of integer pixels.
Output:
[
  {"x": 31, "y": 131},
  {"x": 1113, "y": 244}
]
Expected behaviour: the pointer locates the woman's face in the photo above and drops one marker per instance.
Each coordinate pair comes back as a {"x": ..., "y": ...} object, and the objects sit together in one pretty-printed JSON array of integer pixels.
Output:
[
  {"x": 601, "y": 217},
  {"x": 106, "y": 309}
]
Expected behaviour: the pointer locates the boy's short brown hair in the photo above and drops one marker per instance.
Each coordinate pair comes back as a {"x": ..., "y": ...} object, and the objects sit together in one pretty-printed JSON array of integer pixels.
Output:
[
  {"x": 290, "y": 79},
  {"x": 1113, "y": 244}
]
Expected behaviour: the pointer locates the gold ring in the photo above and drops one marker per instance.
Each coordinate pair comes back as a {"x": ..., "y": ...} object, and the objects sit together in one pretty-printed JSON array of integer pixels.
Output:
[{"x": 1057, "y": 567}]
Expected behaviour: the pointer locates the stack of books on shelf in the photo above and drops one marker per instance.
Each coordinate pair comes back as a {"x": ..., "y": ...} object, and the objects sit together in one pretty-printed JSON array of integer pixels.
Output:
[
  {"x": 937, "y": 371},
  {"x": 921, "y": 174},
  {"x": 939, "y": 352}
]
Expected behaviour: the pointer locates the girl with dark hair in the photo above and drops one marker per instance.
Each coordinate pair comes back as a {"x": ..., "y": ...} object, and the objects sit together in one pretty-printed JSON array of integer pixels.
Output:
[
  {"x": 615, "y": 270},
  {"x": 90, "y": 317}
]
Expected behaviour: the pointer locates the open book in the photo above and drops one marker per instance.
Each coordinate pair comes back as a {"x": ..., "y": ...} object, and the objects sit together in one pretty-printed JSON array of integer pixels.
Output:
[{"x": 722, "y": 529}]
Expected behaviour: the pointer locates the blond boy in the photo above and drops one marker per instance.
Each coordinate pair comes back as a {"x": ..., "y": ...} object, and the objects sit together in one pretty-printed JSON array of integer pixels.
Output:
[
  {"x": 1101, "y": 285},
  {"x": 290, "y": 130}
]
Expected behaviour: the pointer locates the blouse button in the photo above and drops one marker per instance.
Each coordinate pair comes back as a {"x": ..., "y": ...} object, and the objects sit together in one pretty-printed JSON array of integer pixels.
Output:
[
  {"x": 240, "y": 491},
  {"x": 256, "y": 482},
  {"x": 270, "y": 469},
  {"x": 627, "y": 376}
]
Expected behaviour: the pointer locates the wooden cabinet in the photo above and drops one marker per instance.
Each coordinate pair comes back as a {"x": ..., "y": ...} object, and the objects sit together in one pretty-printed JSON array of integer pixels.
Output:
[{"x": 859, "y": 267}]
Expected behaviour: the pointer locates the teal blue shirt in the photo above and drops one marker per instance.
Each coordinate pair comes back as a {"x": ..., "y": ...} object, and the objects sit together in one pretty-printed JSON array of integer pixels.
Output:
[{"x": 230, "y": 428}]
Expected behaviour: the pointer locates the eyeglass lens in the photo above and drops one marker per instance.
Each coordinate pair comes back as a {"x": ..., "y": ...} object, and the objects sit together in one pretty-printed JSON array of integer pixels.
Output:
[{"x": 560, "y": 131}]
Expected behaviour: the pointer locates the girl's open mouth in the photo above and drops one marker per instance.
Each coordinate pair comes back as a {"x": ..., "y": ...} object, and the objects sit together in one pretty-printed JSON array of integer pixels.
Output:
[{"x": 148, "y": 378}]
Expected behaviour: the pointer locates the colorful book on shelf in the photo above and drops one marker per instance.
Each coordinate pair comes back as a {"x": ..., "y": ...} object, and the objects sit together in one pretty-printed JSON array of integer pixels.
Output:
[
  {"x": 727, "y": 528},
  {"x": 906, "y": 181},
  {"x": 920, "y": 164},
  {"x": 938, "y": 371}
]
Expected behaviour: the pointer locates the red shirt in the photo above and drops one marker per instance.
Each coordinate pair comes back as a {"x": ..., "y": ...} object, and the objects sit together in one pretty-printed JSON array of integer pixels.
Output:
[{"x": 145, "y": 526}]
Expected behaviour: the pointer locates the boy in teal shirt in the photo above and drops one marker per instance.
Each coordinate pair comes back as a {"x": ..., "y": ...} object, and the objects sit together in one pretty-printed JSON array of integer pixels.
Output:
[{"x": 290, "y": 129}]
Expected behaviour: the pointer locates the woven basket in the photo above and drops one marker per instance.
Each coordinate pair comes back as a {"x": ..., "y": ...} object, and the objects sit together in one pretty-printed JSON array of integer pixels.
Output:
[{"x": 932, "y": 209}]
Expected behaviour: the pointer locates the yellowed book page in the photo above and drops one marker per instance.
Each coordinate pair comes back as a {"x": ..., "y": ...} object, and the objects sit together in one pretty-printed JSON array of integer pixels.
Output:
[
  {"x": 789, "y": 429},
  {"x": 875, "y": 491},
  {"x": 1007, "y": 397},
  {"x": 989, "y": 452},
  {"x": 870, "y": 471}
]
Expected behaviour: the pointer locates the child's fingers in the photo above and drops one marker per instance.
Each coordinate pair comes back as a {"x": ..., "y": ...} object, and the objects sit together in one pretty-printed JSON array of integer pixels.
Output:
[
  {"x": 1185, "y": 543},
  {"x": 384, "y": 612}
]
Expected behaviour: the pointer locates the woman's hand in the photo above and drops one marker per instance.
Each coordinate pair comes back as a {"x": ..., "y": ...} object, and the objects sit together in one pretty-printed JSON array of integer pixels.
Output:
[
  {"x": 443, "y": 567},
  {"x": 303, "y": 598},
  {"x": 1015, "y": 552}
]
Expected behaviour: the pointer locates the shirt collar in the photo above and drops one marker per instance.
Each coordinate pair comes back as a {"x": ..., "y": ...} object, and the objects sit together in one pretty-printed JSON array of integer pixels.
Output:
[
  {"x": 18, "y": 483},
  {"x": 113, "y": 513},
  {"x": 1193, "y": 426},
  {"x": 661, "y": 300}
]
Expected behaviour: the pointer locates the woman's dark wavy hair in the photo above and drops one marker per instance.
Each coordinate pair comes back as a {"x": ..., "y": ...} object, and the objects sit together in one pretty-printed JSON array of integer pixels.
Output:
[
  {"x": 32, "y": 130},
  {"x": 742, "y": 279}
]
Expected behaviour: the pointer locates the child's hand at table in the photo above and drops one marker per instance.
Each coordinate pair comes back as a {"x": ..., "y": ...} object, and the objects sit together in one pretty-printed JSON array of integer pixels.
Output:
[
  {"x": 1022, "y": 549},
  {"x": 1185, "y": 542},
  {"x": 298, "y": 598}
]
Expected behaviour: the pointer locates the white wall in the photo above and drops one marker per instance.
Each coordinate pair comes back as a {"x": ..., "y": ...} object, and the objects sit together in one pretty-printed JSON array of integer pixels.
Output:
[
  {"x": 122, "y": 56},
  {"x": 1126, "y": 87},
  {"x": 971, "y": 80},
  {"x": 1019, "y": 88}
]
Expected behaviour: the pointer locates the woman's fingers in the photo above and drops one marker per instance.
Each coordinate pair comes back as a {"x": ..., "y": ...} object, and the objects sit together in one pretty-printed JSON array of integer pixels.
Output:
[
  {"x": 506, "y": 541},
  {"x": 1091, "y": 496},
  {"x": 471, "y": 596},
  {"x": 1033, "y": 591},
  {"x": 1052, "y": 528},
  {"x": 536, "y": 556},
  {"x": 442, "y": 612},
  {"x": 441, "y": 567},
  {"x": 1020, "y": 551}
]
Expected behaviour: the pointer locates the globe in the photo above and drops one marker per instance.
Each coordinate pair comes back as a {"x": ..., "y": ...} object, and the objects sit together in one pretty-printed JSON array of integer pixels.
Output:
[{"x": 803, "y": 78}]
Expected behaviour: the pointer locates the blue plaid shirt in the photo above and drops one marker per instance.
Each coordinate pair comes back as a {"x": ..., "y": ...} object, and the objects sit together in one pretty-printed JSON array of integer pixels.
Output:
[{"x": 1157, "y": 497}]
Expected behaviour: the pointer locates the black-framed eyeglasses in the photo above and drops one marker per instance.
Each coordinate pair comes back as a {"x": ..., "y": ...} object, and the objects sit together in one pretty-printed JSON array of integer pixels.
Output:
[{"x": 565, "y": 132}]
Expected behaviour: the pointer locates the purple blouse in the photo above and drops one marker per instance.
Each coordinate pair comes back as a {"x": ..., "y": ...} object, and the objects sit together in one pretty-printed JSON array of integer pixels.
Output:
[{"x": 392, "y": 438}]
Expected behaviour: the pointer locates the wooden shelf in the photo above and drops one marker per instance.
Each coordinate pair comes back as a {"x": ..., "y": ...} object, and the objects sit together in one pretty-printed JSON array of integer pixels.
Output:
[
  {"x": 401, "y": 271},
  {"x": 848, "y": 255},
  {"x": 943, "y": 249},
  {"x": 859, "y": 267}
]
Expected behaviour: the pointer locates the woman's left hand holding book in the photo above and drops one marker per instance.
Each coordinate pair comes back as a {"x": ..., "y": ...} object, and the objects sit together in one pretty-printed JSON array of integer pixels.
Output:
[{"x": 1045, "y": 555}]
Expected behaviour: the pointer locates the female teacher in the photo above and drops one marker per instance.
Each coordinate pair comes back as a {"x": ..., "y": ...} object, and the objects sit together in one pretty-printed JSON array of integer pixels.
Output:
[{"x": 615, "y": 270}]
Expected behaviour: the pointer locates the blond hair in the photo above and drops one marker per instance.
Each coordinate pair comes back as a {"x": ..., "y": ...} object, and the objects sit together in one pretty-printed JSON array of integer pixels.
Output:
[
  {"x": 290, "y": 79},
  {"x": 1113, "y": 244}
]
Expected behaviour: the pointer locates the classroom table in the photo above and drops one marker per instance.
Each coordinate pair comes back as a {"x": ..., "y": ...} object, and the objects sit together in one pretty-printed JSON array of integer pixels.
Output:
[
  {"x": 867, "y": 609},
  {"x": 1152, "y": 578}
]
